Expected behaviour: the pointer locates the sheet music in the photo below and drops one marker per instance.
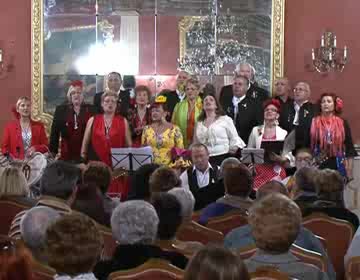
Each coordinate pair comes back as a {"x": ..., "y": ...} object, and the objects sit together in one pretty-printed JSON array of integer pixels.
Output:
[{"x": 121, "y": 157}]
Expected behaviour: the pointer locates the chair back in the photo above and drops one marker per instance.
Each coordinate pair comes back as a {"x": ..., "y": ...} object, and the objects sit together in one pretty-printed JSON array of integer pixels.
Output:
[
  {"x": 268, "y": 273},
  {"x": 193, "y": 231},
  {"x": 353, "y": 269},
  {"x": 304, "y": 255},
  {"x": 152, "y": 269},
  {"x": 338, "y": 235},
  {"x": 309, "y": 257},
  {"x": 109, "y": 242},
  {"x": 227, "y": 222},
  {"x": 42, "y": 272},
  {"x": 8, "y": 210}
]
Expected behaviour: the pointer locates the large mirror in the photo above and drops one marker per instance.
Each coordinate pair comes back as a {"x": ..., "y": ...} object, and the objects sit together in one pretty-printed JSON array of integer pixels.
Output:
[{"x": 147, "y": 41}]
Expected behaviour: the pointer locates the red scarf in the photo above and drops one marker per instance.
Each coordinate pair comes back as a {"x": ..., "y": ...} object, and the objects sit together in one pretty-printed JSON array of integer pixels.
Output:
[{"x": 329, "y": 134}]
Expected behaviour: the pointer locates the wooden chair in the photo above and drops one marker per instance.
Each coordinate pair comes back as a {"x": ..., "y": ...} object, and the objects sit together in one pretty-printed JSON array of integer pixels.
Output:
[
  {"x": 193, "y": 231},
  {"x": 304, "y": 255},
  {"x": 353, "y": 269},
  {"x": 323, "y": 241},
  {"x": 109, "y": 242},
  {"x": 9, "y": 209},
  {"x": 152, "y": 269},
  {"x": 227, "y": 222},
  {"x": 268, "y": 273},
  {"x": 42, "y": 272},
  {"x": 338, "y": 234}
]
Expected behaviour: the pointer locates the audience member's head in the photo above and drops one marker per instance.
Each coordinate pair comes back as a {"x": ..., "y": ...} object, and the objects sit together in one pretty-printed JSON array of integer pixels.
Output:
[
  {"x": 33, "y": 226},
  {"x": 245, "y": 69},
  {"x": 282, "y": 87},
  {"x": 163, "y": 179},
  {"x": 15, "y": 261},
  {"x": 216, "y": 263},
  {"x": 187, "y": 201},
  {"x": 275, "y": 223},
  {"x": 238, "y": 180},
  {"x": 303, "y": 158},
  {"x": 305, "y": 179},
  {"x": 141, "y": 181},
  {"x": 301, "y": 92},
  {"x": 330, "y": 186},
  {"x": 73, "y": 244},
  {"x": 200, "y": 156},
  {"x": 98, "y": 173},
  {"x": 228, "y": 162},
  {"x": 13, "y": 182},
  {"x": 59, "y": 179},
  {"x": 168, "y": 209},
  {"x": 271, "y": 187},
  {"x": 134, "y": 222},
  {"x": 89, "y": 201}
]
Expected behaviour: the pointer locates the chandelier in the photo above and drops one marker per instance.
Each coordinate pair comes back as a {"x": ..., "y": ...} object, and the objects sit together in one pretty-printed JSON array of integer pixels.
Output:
[{"x": 328, "y": 57}]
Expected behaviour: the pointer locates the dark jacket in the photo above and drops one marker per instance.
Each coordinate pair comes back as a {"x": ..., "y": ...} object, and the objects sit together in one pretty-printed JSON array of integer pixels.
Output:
[
  {"x": 131, "y": 256},
  {"x": 172, "y": 99}
]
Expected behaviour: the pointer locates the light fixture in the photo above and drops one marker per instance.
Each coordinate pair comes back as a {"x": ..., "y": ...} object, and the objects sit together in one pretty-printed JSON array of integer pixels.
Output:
[{"x": 328, "y": 57}]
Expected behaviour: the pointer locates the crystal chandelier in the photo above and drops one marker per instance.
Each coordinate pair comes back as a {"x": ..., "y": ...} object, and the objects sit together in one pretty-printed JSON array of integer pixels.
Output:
[{"x": 328, "y": 57}]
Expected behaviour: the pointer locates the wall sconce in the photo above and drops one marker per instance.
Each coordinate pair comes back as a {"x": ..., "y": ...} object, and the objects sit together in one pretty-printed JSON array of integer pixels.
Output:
[{"x": 328, "y": 57}]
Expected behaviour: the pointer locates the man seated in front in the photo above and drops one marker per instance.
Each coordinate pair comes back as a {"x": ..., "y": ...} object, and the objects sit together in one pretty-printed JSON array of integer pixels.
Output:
[{"x": 202, "y": 178}]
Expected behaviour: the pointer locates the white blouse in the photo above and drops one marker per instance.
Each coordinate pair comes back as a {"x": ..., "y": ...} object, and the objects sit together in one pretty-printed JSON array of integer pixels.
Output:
[{"x": 219, "y": 136}]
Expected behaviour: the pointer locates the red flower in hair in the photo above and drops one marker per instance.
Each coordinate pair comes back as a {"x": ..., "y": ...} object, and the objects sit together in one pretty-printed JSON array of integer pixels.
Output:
[
  {"x": 77, "y": 83},
  {"x": 273, "y": 102},
  {"x": 339, "y": 104}
]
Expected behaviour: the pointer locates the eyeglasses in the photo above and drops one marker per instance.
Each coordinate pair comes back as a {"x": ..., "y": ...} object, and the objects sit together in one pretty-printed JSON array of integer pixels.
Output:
[
  {"x": 299, "y": 89},
  {"x": 270, "y": 110}
]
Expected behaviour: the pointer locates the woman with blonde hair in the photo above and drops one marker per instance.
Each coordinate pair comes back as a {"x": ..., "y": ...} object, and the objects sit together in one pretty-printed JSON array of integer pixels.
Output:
[
  {"x": 23, "y": 136},
  {"x": 186, "y": 112}
]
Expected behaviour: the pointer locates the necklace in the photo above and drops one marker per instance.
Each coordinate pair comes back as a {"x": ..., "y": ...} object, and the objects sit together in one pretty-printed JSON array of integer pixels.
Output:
[
  {"x": 108, "y": 124},
  {"x": 328, "y": 132},
  {"x": 26, "y": 135}
]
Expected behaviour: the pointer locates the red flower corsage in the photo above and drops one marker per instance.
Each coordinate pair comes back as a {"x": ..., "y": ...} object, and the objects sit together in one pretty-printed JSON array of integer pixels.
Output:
[{"x": 339, "y": 104}]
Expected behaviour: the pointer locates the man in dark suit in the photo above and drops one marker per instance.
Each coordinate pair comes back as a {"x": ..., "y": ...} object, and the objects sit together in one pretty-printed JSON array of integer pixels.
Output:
[
  {"x": 114, "y": 82},
  {"x": 258, "y": 94},
  {"x": 175, "y": 96},
  {"x": 283, "y": 90},
  {"x": 298, "y": 115},
  {"x": 243, "y": 109}
]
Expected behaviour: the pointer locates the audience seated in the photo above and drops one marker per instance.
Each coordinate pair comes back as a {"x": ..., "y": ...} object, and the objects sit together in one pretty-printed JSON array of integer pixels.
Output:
[
  {"x": 99, "y": 173},
  {"x": 134, "y": 225},
  {"x": 89, "y": 200},
  {"x": 169, "y": 210},
  {"x": 57, "y": 185},
  {"x": 354, "y": 248},
  {"x": 187, "y": 201},
  {"x": 275, "y": 223},
  {"x": 140, "y": 188},
  {"x": 33, "y": 226},
  {"x": 73, "y": 244},
  {"x": 15, "y": 261},
  {"x": 216, "y": 263},
  {"x": 242, "y": 237},
  {"x": 202, "y": 178},
  {"x": 304, "y": 190},
  {"x": 238, "y": 185},
  {"x": 163, "y": 179},
  {"x": 13, "y": 186},
  {"x": 330, "y": 189}
]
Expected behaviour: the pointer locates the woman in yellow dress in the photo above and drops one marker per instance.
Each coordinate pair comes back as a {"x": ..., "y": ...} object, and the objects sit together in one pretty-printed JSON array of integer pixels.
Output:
[
  {"x": 186, "y": 112},
  {"x": 161, "y": 135}
]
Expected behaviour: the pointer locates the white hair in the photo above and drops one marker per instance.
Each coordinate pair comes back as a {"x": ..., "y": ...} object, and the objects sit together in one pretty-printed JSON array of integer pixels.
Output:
[
  {"x": 186, "y": 199},
  {"x": 225, "y": 163},
  {"x": 134, "y": 222},
  {"x": 253, "y": 71},
  {"x": 33, "y": 226}
]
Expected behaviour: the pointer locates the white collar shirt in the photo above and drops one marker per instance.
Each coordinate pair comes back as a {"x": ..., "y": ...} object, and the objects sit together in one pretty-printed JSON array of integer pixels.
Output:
[
  {"x": 236, "y": 100},
  {"x": 202, "y": 178},
  {"x": 297, "y": 110}
]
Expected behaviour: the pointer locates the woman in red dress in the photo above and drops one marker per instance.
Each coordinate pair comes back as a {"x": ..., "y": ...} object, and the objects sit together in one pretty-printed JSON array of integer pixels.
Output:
[
  {"x": 139, "y": 116},
  {"x": 106, "y": 131},
  {"x": 69, "y": 122},
  {"x": 23, "y": 136}
]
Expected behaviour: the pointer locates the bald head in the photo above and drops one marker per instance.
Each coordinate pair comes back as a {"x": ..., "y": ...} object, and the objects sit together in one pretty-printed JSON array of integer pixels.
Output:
[{"x": 282, "y": 88}]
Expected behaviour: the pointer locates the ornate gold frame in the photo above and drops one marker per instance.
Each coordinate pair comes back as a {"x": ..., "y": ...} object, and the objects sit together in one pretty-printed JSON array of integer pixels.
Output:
[{"x": 277, "y": 37}]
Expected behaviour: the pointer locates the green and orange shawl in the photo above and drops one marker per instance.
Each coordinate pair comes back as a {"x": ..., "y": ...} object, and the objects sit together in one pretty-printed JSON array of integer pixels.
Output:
[{"x": 187, "y": 120}]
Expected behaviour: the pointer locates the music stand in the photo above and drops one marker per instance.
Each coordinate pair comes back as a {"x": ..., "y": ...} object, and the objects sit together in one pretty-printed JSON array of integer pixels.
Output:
[
  {"x": 131, "y": 159},
  {"x": 275, "y": 147},
  {"x": 251, "y": 155}
]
